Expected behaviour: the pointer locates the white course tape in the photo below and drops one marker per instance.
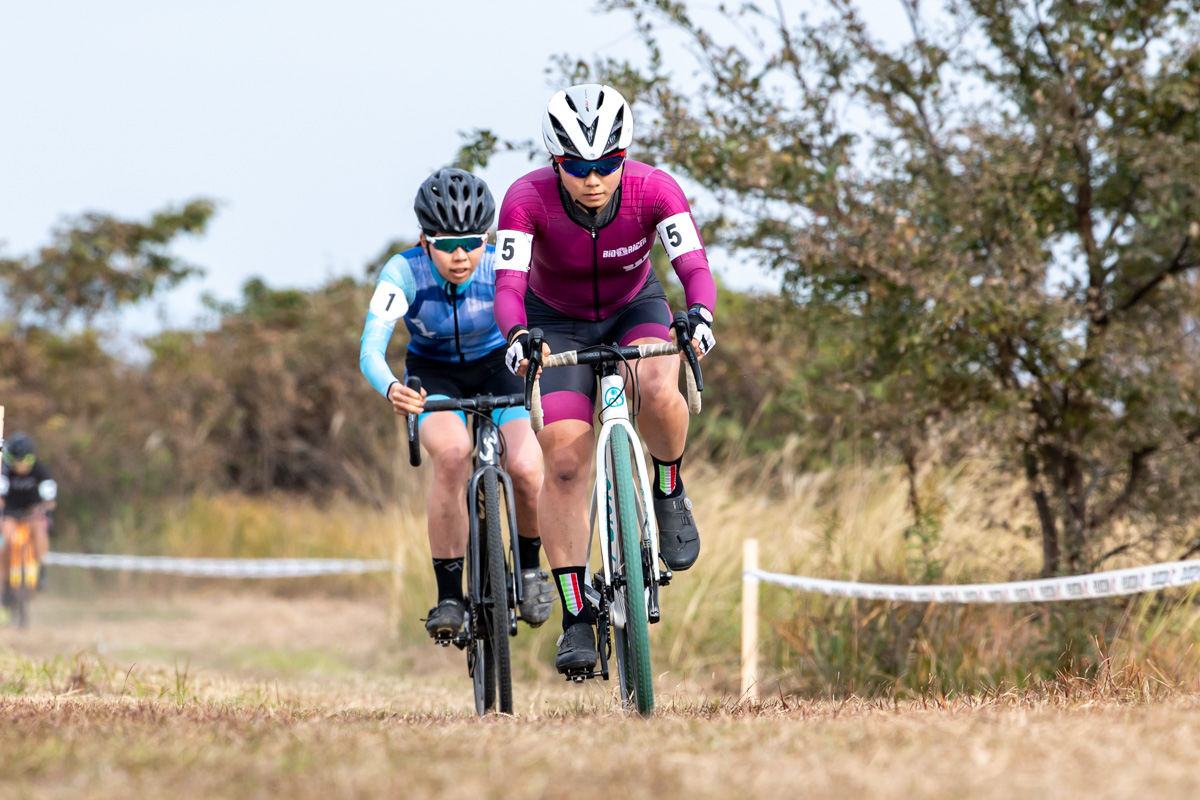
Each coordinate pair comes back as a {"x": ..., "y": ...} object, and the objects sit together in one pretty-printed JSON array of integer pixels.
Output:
[
  {"x": 1077, "y": 587},
  {"x": 224, "y": 567}
]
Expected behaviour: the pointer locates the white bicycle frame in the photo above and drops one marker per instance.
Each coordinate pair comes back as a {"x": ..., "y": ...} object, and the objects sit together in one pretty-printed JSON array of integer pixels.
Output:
[{"x": 614, "y": 412}]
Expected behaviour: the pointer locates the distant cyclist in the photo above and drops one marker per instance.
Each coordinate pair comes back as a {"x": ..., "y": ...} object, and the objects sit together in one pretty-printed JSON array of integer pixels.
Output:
[
  {"x": 443, "y": 289},
  {"x": 573, "y": 258},
  {"x": 27, "y": 491}
]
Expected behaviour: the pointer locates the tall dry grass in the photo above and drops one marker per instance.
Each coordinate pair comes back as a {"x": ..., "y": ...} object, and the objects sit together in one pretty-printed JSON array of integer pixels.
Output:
[{"x": 850, "y": 523}]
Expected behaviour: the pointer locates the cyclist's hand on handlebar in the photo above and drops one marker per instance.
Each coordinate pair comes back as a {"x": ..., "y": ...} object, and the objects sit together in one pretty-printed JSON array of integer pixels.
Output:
[
  {"x": 405, "y": 400},
  {"x": 700, "y": 320},
  {"x": 516, "y": 358}
]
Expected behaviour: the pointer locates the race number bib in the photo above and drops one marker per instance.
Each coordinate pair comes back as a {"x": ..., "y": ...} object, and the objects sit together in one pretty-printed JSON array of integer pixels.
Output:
[
  {"x": 679, "y": 235},
  {"x": 388, "y": 302},
  {"x": 514, "y": 250}
]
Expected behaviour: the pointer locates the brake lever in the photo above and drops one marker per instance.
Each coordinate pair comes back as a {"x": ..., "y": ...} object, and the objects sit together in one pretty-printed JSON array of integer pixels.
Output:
[
  {"x": 683, "y": 333},
  {"x": 536, "y": 340},
  {"x": 414, "y": 428}
]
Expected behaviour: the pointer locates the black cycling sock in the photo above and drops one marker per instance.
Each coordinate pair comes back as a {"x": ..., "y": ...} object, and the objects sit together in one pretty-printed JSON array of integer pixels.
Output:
[
  {"x": 529, "y": 551},
  {"x": 576, "y": 608},
  {"x": 667, "y": 482},
  {"x": 448, "y": 572}
]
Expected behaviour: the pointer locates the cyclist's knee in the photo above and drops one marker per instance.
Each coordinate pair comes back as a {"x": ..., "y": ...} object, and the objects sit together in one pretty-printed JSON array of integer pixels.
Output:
[
  {"x": 453, "y": 464},
  {"x": 567, "y": 471},
  {"x": 451, "y": 457},
  {"x": 526, "y": 474}
]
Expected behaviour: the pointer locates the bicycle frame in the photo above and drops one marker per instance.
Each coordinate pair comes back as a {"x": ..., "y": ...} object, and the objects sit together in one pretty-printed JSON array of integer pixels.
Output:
[
  {"x": 627, "y": 528},
  {"x": 495, "y": 588},
  {"x": 487, "y": 457},
  {"x": 614, "y": 412}
]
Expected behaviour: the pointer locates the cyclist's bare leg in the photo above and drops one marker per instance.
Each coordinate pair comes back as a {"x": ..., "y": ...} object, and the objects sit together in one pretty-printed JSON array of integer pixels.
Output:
[
  {"x": 41, "y": 536},
  {"x": 9, "y": 529},
  {"x": 663, "y": 423},
  {"x": 449, "y": 445},
  {"x": 663, "y": 414},
  {"x": 523, "y": 463},
  {"x": 563, "y": 508}
]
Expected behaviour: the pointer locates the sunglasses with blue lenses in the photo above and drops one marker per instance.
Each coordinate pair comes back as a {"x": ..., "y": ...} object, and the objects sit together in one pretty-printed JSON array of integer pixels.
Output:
[
  {"x": 448, "y": 244},
  {"x": 602, "y": 166}
]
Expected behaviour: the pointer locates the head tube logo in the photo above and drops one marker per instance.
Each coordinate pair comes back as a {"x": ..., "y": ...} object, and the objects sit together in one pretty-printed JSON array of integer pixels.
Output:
[
  {"x": 487, "y": 447},
  {"x": 613, "y": 396}
]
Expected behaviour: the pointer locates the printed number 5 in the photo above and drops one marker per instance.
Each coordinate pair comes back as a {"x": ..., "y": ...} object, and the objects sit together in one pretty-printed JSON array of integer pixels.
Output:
[
  {"x": 506, "y": 250},
  {"x": 673, "y": 236}
]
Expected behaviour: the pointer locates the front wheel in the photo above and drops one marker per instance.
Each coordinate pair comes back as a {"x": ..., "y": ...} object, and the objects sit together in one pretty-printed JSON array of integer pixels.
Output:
[
  {"x": 496, "y": 594},
  {"x": 633, "y": 642}
]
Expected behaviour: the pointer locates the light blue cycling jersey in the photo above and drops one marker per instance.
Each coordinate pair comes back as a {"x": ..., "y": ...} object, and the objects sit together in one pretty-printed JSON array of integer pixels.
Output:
[{"x": 447, "y": 322}]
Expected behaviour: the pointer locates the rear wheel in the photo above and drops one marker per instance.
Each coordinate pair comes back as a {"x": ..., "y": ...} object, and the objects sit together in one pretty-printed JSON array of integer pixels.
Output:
[
  {"x": 496, "y": 592},
  {"x": 632, "y": 642}
]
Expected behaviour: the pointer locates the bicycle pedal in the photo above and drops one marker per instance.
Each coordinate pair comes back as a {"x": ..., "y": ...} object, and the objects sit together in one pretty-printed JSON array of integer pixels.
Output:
[
  {"x": 579, "y": 675},
  {"x": 445, "y": 639}
]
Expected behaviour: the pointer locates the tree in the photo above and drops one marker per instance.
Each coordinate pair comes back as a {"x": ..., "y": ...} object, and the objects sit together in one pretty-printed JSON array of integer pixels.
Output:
[
  {"x": 1003, "y": 212},
  {"x": 98, "y": 263}
]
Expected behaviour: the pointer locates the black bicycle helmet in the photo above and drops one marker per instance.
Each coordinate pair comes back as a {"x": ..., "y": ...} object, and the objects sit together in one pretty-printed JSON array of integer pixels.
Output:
[
  {"x": 19, "y": 445},
  {"x": 454, "y": 201}
]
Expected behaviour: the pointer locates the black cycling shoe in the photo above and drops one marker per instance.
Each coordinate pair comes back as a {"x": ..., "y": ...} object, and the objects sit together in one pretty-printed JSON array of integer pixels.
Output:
[
  {"x": 678, "y": 538},
  {"x": 539, "y": 597},
  {"x": 445, "y": 618},
  {"x": 576, "y": 648}
]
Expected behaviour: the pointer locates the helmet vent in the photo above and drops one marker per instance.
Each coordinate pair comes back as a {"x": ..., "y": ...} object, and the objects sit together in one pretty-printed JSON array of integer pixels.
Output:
[
  {"x": 589, "y": 132},
  {"x": 564, "y": 138}
]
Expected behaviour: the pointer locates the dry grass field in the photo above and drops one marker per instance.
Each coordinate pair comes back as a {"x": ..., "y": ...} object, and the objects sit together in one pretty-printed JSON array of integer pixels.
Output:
[
  {"x": 237, "y": 695},
  {"x": 326, "y": 688}
]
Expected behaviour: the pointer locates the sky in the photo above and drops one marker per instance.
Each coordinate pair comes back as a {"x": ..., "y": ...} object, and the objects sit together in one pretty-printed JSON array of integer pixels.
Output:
[{"x": 312, "y": 124}]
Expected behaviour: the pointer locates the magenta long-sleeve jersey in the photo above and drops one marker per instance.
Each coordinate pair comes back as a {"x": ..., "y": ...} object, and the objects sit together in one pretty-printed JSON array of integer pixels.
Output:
[{"x": 588, "y": 272}]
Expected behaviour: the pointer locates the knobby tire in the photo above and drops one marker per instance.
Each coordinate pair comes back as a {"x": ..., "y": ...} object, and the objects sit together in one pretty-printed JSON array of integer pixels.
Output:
[
  {"x": 638, "y": 681},
  {"x": 497, "y": 596},
  {"x": 479, "y": 658}
]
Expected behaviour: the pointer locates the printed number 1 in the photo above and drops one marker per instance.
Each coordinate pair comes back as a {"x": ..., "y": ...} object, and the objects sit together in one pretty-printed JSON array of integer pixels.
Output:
[
  {"x": 391, "y": 297},
  {"x": 507, "y": 252},
  {"x": 673, "y": 236}
]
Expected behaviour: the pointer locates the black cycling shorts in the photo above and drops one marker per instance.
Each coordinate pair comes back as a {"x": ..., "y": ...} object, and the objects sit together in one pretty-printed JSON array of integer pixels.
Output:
[
  {"x": 486, "y": 375},
  {"x": 570, "y": 392}
]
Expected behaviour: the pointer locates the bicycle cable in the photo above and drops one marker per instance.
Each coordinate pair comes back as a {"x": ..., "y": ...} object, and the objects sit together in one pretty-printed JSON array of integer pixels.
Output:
[{"x": 615, "y": 351}]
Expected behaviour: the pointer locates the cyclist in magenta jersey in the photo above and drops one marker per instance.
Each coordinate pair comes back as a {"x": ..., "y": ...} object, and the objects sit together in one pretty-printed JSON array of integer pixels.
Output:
[
  {"x": 573, "y": 258},
  {"x": 443, "y": 289}
]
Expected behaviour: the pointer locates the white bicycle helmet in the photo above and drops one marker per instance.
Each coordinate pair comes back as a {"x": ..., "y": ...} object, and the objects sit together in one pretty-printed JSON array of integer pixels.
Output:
[{"x": 587, "y": 122}]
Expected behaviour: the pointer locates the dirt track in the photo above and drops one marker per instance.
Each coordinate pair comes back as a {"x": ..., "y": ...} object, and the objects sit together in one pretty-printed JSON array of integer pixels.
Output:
[{"x": 220, "y": 695}]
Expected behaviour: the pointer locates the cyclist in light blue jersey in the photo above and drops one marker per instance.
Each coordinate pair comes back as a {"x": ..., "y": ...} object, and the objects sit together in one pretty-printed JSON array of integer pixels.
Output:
[{"x": 444, "y": 289}]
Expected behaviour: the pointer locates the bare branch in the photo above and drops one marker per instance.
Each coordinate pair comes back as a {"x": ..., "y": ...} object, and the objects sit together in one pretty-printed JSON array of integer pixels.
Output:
[
  {"x": 1137, "y": 463},
  {"x": 1176, "y": 266}
]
